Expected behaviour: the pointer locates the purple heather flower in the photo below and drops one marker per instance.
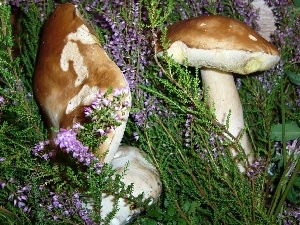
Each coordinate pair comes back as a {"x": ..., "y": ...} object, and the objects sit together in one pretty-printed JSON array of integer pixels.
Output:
[
  {"x": 293, "y": 147},
  {"x": 21, "y": 205},
  {"x": 19, "y": 198},
  {"x": 135, "y": 136},
  {"x": 40, "y": 147},
  {"x": 77, "y": 203},
  {"x": 298, "y": 93},
  {"x": 1, "y": 100},
  {"x": 105, "y": 102},
  {"x": 101, "y": 132},
  {"x": 215, "y": 150},
  {"x": 2, "y": 184},
  {"x": 39, "y": 150},
  {"x": 95, "y": 103},
  {"x": 258, "y": 167},
  {"x": 291, "y": 214},
  {"x": 66, "y": 205},
  {"x": 88, "y": 111},
  {"x": 212, "y": 140},
  {"x": 2, "y": 159},
  {"x": 29, "y": 96},
  {"x": 26, "y": 209},
  {"x": 120, "y": 91},
  {"x": 77, "y": 126},
  {"x": 117, "y": 117},
  {"x": 66, "y": 138},
  {"x": 45, "y": 156}
]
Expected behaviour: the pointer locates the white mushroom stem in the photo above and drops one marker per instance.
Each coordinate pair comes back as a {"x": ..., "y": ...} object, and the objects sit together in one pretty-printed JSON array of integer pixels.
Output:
[{"x": 224, "y": 97}]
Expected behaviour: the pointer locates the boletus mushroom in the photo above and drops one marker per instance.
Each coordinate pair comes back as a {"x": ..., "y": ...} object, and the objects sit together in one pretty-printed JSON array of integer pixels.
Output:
[
  {"x": 71, "y": 69},
  {"x": 221, "y": 46}
]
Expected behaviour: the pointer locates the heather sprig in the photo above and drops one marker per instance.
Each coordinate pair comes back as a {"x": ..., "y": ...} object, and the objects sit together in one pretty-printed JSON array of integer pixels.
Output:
[
  {"x": 290, "y": 216},
  {"x": 61, "y": 205},
  {"x": 19, "y": 198},
  {"x": 40, "y": 150},
  {"x": 187, "y": 132},
  {"x": 106, "y": 113},
  {"x": 298, "y": 96},
  {"x": 2, "y": 103},
  {"x": 67, "y": 141},
  {"x": 257, "y": 168}
]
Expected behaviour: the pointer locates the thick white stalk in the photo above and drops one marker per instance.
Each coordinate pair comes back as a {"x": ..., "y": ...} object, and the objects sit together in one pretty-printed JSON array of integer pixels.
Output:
[{"x": 224, "y": 97}]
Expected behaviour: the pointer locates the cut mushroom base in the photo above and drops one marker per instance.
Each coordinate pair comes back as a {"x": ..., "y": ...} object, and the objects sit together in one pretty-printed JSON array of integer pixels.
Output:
[
  {"x": 144, "y": 177},
  {"x": 220, "y": 46}
]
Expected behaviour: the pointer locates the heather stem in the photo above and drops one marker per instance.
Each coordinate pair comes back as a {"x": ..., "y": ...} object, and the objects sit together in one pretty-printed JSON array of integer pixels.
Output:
[
  {"x": 288, "y": 187},
  {"x": 283, "y": 123},
  {"x": 283, "y": 187}
]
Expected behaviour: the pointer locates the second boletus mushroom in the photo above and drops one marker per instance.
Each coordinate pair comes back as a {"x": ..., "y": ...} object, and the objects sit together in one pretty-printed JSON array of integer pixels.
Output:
[{"x": 221, "y": 46}]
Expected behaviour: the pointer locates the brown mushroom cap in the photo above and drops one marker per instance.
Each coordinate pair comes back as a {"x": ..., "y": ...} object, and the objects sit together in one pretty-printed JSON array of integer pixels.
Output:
[
  {"x": 58, "y": 80},
  {"x": 219, "y": 42}
]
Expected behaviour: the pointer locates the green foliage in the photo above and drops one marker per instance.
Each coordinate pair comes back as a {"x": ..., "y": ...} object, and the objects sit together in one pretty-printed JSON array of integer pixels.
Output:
[
  {"x": 162, "y": 11},
  {"x": 20, "y": 125},
  {"x": 292, "y": 131},
  {"x": 294, "y": 77},
  {"x": 190, "y": 149},
  {"x": 20, "y": 111},
  {"x": 193, "y": 175}
]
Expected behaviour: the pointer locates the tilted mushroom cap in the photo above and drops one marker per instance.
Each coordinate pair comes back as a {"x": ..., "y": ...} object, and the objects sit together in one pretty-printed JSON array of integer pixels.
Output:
[
  {"x": 71, "y": 70},
  {"x": 221, "y": 43}
]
